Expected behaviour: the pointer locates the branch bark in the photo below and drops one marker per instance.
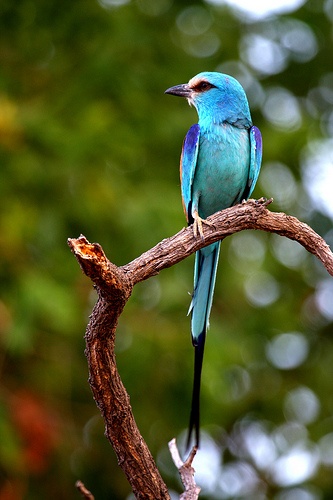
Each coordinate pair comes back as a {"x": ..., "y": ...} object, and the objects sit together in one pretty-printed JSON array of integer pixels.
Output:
[{"x": 114, "y": 286}]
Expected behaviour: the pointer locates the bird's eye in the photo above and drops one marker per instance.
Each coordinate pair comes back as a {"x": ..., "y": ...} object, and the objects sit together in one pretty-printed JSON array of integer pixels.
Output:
[{"x": 203, "y": 86}]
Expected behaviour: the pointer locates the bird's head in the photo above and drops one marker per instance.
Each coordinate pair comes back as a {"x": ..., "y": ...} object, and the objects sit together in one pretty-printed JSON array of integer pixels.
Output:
[{"x": 217, "y": 98}]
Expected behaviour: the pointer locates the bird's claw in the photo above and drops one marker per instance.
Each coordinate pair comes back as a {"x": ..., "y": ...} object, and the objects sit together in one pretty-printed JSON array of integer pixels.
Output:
[{"x": 197, "y": 225}]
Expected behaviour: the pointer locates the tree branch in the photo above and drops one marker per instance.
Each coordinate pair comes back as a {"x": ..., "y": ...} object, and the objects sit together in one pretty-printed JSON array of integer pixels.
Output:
[
  {"x": 83, "y": 490},
  {"x": 114, "y": 289},
  {"x": 114, "y": 286},
  {"x": 252, "y": 214},
  {"x": 186, "y": 471}
]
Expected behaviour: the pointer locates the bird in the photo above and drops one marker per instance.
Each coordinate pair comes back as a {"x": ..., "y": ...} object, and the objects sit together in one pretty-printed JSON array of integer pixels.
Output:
[{"x": 219, "y": 167}]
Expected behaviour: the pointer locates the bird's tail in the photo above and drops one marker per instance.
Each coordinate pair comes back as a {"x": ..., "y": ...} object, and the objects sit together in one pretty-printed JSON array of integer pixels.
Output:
[{"x": 206, "y": 261}]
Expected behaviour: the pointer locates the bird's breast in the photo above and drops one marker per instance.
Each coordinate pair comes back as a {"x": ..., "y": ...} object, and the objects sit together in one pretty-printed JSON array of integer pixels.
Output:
[{"x": 222, "y": 168}]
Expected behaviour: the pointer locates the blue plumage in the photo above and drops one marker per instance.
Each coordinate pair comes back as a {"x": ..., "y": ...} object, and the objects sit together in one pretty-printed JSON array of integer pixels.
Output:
[{"x": 219, "y": 167}]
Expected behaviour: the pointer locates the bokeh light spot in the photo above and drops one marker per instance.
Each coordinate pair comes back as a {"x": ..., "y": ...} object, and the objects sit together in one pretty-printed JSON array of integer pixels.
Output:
[
  {"x": 290, "y": 253},
  {"x": 302, "y": 405},
  {"x": 278, "y": 182},
  {"x": 299, "y": 39},
  {"x": 317, "y": 169},
  {"x": 257, "y": 9},
  {"x": 281, "y": 108},
  {"x": 263, "y": 54},
  {"x": 287, "y": 350},
  {"x": 261, "y": 289},
  {"x": 324, "y": 298},
  {"x": 194, "y": 21},
  {"x": 246, "y": 251},
  {"x": 299, "y": 465}
]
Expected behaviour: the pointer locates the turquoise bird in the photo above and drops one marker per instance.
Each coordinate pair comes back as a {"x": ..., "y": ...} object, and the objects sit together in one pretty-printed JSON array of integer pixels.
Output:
[{"x": 219, "y": 167}]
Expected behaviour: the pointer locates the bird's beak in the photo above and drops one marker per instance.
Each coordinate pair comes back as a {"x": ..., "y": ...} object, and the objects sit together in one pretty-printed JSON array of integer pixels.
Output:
[{"x": 182, "y": 90}]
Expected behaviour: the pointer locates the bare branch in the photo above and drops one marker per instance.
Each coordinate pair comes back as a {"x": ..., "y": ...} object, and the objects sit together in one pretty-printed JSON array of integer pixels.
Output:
[
  {"x": 83, "y": 490},
  {"x": 252, "y": 214},
  {"x": 114, "y": 286},
  {"x": 110, "y": 395},
  {"x": 186, "y": 471}
]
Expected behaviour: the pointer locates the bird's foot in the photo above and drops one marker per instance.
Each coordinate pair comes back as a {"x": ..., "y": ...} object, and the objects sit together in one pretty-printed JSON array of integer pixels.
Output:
[{"x": 197, "y": 225}]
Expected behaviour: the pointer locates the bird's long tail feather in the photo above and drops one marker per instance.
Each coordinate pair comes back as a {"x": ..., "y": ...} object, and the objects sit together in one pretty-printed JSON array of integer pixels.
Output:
[
  {"x": 195, "y": 405},
  {"x": 206, "y": 261}
]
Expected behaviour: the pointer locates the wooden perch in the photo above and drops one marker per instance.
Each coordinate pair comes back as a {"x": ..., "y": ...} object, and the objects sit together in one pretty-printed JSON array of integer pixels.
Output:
[{"x": 114, "y": 286}]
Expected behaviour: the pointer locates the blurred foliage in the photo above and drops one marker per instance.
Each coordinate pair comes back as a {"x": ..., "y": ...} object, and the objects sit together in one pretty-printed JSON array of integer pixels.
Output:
[{"x": 89, "y": 144}]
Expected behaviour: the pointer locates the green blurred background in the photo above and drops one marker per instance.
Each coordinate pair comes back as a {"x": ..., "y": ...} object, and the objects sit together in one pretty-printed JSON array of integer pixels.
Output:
[{"x": 90, "y": 144}]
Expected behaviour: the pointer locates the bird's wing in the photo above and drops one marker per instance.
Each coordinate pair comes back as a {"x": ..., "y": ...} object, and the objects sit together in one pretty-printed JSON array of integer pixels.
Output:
[
  {"x": 188, "y": 161},
  {"x": 255, "y": 160}
]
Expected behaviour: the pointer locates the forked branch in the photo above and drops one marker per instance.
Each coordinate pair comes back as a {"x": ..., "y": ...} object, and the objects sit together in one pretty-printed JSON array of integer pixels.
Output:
[{"x": 114, "y": 286}]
